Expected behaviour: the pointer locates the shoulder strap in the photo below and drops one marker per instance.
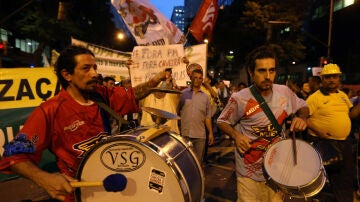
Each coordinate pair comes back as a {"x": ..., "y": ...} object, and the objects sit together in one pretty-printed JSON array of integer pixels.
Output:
[
  {"x": 112, "y": 112},
  {"x": 105, "y": 108},
  {"x": 265, "y": 108}
]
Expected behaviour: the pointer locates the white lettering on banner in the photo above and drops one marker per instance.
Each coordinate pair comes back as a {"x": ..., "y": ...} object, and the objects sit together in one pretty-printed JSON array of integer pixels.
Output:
[{"x": 209, "y": 17}]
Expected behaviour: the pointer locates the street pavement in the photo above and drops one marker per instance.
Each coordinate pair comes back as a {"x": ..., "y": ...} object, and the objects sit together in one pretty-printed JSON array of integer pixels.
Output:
[{"x": 220, "y": 179}]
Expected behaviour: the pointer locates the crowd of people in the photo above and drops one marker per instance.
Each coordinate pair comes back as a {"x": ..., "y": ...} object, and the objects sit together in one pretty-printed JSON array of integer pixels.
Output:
[{"x": 255, "y": 117}]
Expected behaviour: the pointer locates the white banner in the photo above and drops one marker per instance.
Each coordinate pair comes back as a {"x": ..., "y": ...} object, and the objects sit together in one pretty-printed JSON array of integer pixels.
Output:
[
  {"x": 110, "y": 62},
  {"x": 147, "y": 25},
  {"x": 197, "y": 54},
  {"x": 149, "y": 60},
  {"x": 316, "y": 71}
]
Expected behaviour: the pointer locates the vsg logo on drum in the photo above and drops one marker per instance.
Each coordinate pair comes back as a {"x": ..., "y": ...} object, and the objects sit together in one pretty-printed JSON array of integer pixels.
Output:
[{"x": 122, "y": 157}]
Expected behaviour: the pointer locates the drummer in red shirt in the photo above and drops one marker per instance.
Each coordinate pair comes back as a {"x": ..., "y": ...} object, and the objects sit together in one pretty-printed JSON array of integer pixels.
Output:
[{"x": 69, "y": 124}]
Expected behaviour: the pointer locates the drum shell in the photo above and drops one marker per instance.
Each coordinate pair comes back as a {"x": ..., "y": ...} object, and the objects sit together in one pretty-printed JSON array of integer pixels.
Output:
[{"x": 167, "y": 158}]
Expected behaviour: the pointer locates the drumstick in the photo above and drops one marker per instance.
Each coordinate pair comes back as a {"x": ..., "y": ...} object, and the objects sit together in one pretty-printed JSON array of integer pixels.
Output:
[{"x": 114, "y": 183}]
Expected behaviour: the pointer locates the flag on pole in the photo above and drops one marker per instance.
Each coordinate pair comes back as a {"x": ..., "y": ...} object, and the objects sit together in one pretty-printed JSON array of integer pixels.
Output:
[
  {"x": 203, "y": 24},
  {"x": 147, "y": 24}
]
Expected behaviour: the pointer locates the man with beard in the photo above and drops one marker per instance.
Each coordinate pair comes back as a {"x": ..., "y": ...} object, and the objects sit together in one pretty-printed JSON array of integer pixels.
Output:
[
  {"x": 330, "y": 121},
  {"x": 68, "y": 124},
  {"x": 246, "y": 122}
]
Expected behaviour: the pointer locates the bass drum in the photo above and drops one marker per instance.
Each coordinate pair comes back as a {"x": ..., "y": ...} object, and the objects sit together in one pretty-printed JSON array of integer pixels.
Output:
[{"x": 161, "y": 169}]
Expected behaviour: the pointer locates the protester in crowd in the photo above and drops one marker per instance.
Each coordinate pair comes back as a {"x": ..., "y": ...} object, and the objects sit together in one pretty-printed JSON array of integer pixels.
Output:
[
  {"x": 68, "y": 124},
  {"x": 209, "y": 88},
  {"x": 223, "y": 91},
  {"x": 109, "y": 81},
  {"x": 330, "y": 121},
  {"x": 132, "y": 116},
  {"x": 126, "y": 83},
  {"x": 295, "y": 88},
  {"x": 252, "y": 130},
  {"x": 305, "y": 90},
  {"x": 314, "y": 84},
  {"x": 169, "y": 82},
  {"x": 166, "y": 101},
  {"x": 241, "y": 86},
  {"x": 195, "y": 112},
  {"x": 233, "y": 89}
]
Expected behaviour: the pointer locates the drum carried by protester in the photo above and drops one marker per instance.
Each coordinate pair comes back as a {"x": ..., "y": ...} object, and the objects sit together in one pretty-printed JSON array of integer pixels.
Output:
[
  {"x": 299, "y": 176},
  {"x": 157, "y": 163}
]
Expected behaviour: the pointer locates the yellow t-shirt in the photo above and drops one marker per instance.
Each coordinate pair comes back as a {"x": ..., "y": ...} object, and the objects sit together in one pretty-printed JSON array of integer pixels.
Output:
[
  {"x": 330, "y": 113},
  {"x": 213, "y": 104}
]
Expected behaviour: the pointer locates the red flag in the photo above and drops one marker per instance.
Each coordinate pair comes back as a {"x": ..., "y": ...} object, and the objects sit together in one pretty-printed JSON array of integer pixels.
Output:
[{"x": 204, "y": 21}]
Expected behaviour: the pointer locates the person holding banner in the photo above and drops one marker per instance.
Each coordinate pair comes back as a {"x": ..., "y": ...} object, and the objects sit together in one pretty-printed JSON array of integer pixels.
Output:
[
  {"x": 109, "y": 81},
  {"x": 68, "y": 124},
  {"x": 162, "y": 100}
]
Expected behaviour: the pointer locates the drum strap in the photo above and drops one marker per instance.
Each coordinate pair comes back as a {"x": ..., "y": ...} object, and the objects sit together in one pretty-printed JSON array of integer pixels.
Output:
[
  {"x": 265, "y": 108},
  {"x": 119, "y": 118}
]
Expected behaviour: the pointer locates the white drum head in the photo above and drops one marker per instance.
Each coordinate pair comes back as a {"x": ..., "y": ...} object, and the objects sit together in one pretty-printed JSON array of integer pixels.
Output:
[
  {"x": 149, "y": 177},
  {"x": 280, "y": 166}
]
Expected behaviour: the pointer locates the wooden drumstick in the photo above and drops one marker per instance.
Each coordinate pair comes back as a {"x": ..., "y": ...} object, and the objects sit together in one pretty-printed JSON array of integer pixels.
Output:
[{"x": 114, "y": 183}]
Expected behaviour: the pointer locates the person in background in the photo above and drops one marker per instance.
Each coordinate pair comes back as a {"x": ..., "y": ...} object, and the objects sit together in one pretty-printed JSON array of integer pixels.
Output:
[
  {"x": 68, "y": 124},
  {"x": 208, "y": 87},
  {"x": 314, "y": 84},
  {"x": 329, "y": 120},
  {"x": 305, "y": 90},
  {"x": 233, "y": 89},
  {"x": 169, "y": 82},
  {"x": 241, "y": 86},
  {"x": 109, "y": 81},
  {"x": 296, "y": 89},
  {"x": 245, "y": 121},
  {"x": 223, "y": 92},
  {"x": 165, "y": 101},
  {"x": 131, "y": 116},
  {"x": 195, "y": 112}
]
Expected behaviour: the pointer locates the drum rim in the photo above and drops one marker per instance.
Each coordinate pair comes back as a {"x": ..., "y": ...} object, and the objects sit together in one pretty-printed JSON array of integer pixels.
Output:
[
  {"x": 321, "y": 174},
  {"x": 300, "y": 140}
]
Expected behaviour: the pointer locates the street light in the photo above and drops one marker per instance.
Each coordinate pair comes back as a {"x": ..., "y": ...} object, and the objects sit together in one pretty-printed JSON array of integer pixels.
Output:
[{"x": 120, "y": 36}]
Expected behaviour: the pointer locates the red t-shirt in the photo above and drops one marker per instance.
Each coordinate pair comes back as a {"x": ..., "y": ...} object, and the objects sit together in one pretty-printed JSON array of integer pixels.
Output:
[{"x": 64, "y": 126}]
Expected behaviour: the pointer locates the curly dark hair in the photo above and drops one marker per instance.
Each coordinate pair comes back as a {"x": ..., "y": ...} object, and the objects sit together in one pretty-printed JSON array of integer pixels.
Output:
[
  {"x": 260, "y": 52},
  {"x": 66, "y": 61}
]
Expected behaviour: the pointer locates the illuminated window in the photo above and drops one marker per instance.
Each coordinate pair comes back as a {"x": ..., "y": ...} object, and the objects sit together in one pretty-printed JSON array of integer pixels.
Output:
[{"x": 348, "y": 2}]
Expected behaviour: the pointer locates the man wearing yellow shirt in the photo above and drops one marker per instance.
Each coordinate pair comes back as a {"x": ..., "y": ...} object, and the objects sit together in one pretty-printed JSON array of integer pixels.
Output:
[{"x": 330, "y": 121}]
